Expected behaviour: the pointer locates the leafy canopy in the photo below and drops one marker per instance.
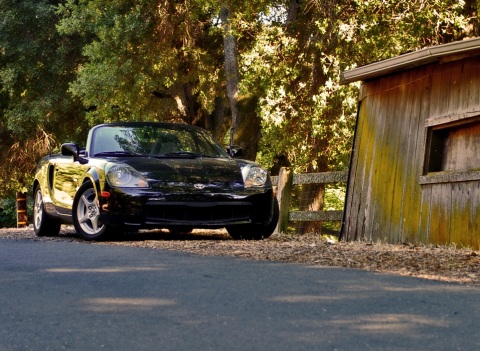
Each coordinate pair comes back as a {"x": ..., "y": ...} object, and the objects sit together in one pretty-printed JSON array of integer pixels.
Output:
[{"x": 68, "y": 64}]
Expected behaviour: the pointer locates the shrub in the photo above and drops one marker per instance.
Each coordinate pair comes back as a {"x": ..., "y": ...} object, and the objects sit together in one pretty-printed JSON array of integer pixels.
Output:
[{"x": 8, "y": 212}]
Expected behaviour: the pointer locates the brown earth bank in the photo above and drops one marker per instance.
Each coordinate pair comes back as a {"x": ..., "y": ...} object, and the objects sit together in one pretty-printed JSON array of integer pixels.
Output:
[{"x": 441, "y": 263}]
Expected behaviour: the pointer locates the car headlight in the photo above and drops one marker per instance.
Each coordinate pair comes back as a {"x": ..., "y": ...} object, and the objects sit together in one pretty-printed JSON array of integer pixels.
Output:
[
  {"x": 254, "y": 176},
  {"x": 119, "y": 175}
]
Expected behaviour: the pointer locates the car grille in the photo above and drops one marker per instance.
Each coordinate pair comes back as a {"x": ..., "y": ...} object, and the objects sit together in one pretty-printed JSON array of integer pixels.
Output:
[{"x": 199, "y": 212}]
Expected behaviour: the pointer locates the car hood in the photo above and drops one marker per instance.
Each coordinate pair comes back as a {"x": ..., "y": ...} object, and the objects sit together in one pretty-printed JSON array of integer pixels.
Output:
[{"x": 206, "y": 171}]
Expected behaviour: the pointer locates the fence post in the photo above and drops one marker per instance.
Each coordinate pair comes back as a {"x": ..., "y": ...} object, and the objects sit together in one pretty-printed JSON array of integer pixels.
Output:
[
  {"x": 21, "y": 210},
  {"x": 284, "y": 188}
]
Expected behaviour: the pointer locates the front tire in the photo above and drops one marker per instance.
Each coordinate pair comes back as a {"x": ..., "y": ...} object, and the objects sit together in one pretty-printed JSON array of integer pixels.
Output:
[
  {"x": 255, "y": 231},
  {"x": 86, "y": 214},
  {"x": 43, "y": 224}
]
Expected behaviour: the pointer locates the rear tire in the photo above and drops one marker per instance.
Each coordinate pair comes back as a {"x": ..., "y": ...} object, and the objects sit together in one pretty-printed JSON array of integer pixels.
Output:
[
  {"x": 255, "y": 231},
  {"x": 43, "y": 224},
  {"x": 86, "y": 214}
]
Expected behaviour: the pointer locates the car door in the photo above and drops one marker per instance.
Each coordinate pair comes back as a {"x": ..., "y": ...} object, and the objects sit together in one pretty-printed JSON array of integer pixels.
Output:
[{"x": 67, "y": 178}]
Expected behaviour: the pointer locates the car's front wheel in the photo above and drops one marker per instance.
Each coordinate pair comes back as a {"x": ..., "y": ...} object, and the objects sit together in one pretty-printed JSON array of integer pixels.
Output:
[
  {"x": 254, "y": 231},
  {"x": 43, "y": 224},
  {"x": 86, "y": 214}
]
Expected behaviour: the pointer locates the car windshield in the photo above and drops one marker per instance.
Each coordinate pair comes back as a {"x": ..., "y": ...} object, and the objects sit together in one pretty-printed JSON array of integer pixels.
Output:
[{"x": 155, "y": 141}]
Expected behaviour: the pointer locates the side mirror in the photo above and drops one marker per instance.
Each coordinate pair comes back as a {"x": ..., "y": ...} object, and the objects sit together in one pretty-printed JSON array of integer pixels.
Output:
[
  {"x": 234, "y": 151},
  {"x": 71, "y": 149}
]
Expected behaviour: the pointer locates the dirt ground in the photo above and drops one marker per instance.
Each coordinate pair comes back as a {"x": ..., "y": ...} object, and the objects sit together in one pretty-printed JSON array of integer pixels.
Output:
[{"x": 441, "y": 263}]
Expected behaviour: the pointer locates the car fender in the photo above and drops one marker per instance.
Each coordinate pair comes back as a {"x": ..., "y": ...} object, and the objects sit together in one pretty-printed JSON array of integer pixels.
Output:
[
  {"x": 93, "y": 176},
  {"x": 41, "y": 180}
]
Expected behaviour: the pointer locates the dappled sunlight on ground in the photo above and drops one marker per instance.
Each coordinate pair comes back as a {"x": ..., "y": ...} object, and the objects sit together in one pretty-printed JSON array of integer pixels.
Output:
[{"x": 122, "y": 304}]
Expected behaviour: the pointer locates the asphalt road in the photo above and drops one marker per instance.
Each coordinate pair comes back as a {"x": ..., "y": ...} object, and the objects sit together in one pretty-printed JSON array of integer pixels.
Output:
[{"x": 71, "y": 296}]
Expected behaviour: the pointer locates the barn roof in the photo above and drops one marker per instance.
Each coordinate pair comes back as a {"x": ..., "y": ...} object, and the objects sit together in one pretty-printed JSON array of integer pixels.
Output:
[{"x": 410, "y": 60}]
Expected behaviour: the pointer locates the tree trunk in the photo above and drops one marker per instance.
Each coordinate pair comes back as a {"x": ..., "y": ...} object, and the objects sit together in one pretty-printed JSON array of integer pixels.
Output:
[
  {"x": 217, "y": 121},
  {"x": 471, "y": 11},
  {"x": 231, "y": 65},
  {"x": 248, "y": 129}
]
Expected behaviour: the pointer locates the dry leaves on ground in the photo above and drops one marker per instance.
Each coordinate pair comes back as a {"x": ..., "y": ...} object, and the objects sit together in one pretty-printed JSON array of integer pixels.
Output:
[{"x": 441, "y": 263}]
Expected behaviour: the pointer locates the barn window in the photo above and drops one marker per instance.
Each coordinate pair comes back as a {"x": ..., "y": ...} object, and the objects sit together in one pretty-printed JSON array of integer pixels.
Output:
[{"x": 452, "y": 151}]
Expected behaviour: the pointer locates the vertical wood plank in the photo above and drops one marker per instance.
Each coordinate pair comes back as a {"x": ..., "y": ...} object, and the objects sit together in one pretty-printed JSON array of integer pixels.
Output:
[
  {"x": 460, "y": 213},
  {"x": 473, "y": 84},
  {"x": 424, "y": 223},
  {"x": 441, "y": 206},
  {"x": 382, "y": 163},
  {"x": 454, "y": 87},
  {"x": 358, "y": 183},
  {"x": 440, "y": 90},
  {"x": 419, "y": 96},
  {"x": 349, "y": 229},
  {"x": 373, "y": 124},
  {"x": 474, "y": 220},
  {"x": 363, "y": 192},
  {"x": 399, "y": 155}
]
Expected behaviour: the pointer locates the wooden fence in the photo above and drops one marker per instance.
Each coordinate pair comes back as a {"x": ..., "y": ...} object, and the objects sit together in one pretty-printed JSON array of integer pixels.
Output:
[{"x": 286, "y": 180}]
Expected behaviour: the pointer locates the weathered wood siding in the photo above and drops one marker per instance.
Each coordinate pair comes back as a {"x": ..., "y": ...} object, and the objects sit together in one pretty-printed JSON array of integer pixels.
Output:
[{"x": 388, "y": 197}]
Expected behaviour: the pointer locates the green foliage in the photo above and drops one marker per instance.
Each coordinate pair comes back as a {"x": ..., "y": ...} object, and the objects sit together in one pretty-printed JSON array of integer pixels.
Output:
[
  {"x": 144, "y": 60},
  {"x": 34, "y": 67},
  {"x": 389, "y": 28},
  {"x": 334, "y": 197},
  {"x": 295, "y": 63},
  {"x": 8, "y": 213},
  {"x": 8, "y": 216},
  {"x": 68, "y": 64},
  {"x": 296, "y": 79},
  {"x": 35, "y": 70}
]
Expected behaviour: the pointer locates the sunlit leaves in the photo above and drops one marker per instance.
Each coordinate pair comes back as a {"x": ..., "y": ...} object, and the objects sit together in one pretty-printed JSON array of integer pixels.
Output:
[
  {"x": 388, "y": 28},
  {"x": 295, "y": 64}
]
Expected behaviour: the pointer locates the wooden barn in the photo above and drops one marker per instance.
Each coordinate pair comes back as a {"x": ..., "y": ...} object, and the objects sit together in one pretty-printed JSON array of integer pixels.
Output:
[{"x": 415, "y": 168}]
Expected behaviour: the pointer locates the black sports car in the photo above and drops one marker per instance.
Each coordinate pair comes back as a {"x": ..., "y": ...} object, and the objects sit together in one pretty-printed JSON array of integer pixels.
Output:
[{"x": 140, "y": 175}]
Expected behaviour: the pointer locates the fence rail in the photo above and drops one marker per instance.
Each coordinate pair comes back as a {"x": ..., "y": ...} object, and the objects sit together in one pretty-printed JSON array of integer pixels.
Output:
[{"x": 284, "y": 182}]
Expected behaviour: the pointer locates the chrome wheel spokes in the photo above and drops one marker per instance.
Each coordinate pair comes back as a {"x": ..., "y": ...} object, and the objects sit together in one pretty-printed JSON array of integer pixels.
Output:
[
  {"x": 38, "y": 209},
  {"x": 88, "y": 213}
]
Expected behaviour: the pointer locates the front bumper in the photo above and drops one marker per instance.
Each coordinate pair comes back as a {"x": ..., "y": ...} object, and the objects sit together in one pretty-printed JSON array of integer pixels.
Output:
[{"x": 137, "y": 208}]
